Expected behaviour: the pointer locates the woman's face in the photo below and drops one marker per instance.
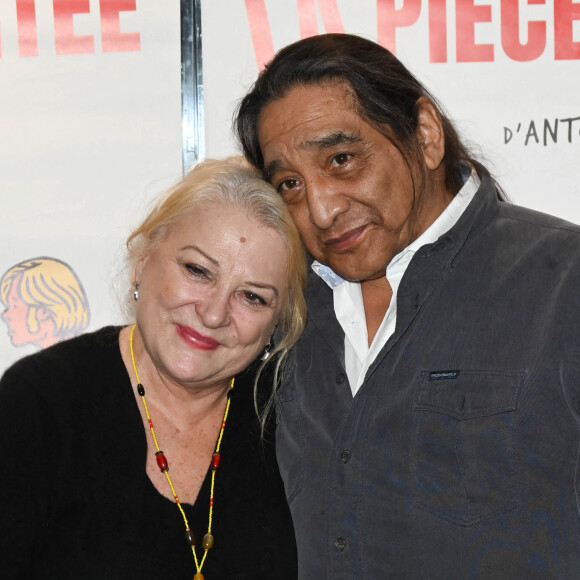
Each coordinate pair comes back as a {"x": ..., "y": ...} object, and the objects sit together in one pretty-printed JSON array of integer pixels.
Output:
[{"x": 211, "y": 295}]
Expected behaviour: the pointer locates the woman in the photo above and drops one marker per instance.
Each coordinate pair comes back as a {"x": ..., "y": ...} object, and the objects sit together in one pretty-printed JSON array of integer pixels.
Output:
[{"x": 136, "y": 452}]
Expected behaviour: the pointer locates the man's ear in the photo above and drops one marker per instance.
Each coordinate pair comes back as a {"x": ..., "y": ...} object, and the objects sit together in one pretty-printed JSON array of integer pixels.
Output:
[{"x": 430, "y": 133}]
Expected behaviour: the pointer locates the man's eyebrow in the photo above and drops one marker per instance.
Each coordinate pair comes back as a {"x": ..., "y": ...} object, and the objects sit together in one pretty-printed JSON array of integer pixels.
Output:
[
  {"x": 331, "y": 140},
  {"x": 269, "y": 170},
  {"x": 321, "y": 142}
]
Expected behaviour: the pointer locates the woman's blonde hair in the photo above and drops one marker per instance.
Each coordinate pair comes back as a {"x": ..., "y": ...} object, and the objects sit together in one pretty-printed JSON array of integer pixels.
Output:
[{"x": 234, "y": 183}]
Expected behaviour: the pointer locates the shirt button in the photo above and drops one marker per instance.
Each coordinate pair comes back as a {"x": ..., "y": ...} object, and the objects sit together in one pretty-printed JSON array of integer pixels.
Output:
[
  {"x": 345, "y": 456},
  {"x": 340, "y": 543},
  {"x": 340, "y": 378}
]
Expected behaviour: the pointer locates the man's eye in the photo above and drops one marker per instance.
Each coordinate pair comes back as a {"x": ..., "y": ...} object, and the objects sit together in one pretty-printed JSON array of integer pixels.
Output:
[
  {"x": 340, "y": 159},
  {"x": 287, "y": 185}
]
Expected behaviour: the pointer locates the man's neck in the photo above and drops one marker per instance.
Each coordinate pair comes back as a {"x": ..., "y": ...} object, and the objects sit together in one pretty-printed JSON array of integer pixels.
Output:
[{"x": 377, "y": 296}]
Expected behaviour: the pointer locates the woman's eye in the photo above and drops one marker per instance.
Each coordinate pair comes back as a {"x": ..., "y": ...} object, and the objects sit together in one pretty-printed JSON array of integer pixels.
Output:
[
  {"x": 340, "y": 159},
  {"x": 254, "y": 298},
  {"x": 196, "y": 270}
]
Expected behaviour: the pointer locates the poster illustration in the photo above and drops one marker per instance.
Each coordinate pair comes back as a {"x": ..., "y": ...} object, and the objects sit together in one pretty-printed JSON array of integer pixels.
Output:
[
  {"x": 90, "y": 115},
  {"x": 44, "y": 302}
]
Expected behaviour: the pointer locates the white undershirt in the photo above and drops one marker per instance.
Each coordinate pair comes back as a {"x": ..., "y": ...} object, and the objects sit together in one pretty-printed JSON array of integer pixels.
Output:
[{"x": 348, "y": 301}]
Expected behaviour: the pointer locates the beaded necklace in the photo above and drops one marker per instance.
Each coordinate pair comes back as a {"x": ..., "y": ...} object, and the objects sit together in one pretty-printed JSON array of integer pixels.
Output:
[{"x": 207, "y": 542}]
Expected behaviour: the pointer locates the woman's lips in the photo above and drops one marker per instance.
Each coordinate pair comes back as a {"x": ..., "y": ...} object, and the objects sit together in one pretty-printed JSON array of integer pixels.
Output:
[
  {"x": 195, "y": 339},
  {"x": 345, "y": 241}
]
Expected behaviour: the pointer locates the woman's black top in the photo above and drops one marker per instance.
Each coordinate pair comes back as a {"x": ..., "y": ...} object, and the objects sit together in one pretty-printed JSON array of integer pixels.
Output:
[{"x": 76, "y": 502}]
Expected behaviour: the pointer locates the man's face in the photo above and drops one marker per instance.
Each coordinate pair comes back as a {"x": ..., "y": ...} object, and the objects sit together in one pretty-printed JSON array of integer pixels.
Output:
[{"x": 355, "y": 199}]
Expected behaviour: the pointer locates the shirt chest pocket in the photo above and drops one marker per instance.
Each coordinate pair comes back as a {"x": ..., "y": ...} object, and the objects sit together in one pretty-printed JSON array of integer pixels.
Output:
[{"x": 464, "y": 458}]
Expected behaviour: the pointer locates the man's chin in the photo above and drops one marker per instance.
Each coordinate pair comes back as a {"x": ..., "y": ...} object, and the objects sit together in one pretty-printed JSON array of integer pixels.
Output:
[{"x": 355, "y": 273}]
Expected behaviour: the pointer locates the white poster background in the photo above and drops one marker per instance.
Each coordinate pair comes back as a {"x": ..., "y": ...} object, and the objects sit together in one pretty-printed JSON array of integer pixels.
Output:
[
  {"x": 89, "y": 138},
  {"x": 86, "y": 141},
  {"x": 486, "y": 100}
]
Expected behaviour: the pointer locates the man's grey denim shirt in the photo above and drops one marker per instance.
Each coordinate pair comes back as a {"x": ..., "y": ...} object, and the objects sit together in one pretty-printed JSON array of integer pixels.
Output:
[{"x": 458, "y": 456}]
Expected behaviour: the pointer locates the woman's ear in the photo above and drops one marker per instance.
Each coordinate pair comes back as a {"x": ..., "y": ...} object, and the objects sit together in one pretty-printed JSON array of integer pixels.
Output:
[
  {"x": 136, "y": 278},
  {"x": 430, "y": 133}
]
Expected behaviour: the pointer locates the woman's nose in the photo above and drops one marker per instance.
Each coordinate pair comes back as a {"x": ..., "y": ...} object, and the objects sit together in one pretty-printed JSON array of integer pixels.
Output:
[{"x": 214, "y": 310}]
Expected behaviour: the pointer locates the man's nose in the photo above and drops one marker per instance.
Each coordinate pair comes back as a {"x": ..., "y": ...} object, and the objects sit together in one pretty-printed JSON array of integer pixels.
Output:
[
  {"x": 325, "y": 201},
  {"x": 214, "y": 310}
]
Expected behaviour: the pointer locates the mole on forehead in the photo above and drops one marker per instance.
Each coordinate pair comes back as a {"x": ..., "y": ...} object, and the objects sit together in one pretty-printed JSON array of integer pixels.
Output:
[{"x": 242, "y": 239}]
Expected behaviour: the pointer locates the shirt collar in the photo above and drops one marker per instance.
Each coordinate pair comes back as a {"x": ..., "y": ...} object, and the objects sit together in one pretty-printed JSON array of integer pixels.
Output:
[{"x": 446, "y": 220}]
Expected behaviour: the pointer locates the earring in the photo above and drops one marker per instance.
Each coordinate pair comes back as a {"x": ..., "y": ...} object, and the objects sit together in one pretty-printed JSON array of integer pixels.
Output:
[
  {"x": 136, "y": 292},
  {"x": 266, "y": 355}
]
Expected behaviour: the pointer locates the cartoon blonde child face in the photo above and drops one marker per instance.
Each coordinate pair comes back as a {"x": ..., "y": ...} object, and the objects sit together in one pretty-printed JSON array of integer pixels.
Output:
[
  {"x": 25, "y": 326},
  {"x": 44, "y": 302}
]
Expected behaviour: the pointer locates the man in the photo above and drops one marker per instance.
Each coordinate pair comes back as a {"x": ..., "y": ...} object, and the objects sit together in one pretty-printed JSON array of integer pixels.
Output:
[{"x": 429, "y": 418}]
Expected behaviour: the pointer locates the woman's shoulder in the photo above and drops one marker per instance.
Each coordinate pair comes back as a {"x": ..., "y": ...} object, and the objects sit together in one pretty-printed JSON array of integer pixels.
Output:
[
  {"x": 66, "y": 362},
  {"x": 65, "y": 352}
]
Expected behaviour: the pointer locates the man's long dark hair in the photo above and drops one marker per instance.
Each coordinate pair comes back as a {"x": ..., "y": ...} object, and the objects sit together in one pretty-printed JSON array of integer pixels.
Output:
[{"x": 385, "y": 94}]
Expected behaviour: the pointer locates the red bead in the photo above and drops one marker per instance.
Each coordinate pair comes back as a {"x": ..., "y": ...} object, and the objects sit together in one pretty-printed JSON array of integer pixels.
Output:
[
  {"x": 215, "y": 461},
  {"x": 161, "y": 461}
]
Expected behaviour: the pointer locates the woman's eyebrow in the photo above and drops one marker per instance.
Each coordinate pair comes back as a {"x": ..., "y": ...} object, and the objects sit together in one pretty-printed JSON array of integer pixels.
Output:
[
  {"x": 198, "y": 249},
  {"x": 263, "y": 286}
]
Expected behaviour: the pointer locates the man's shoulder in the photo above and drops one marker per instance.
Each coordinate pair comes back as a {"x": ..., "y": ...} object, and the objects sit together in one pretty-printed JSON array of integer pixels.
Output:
[
  {"x": 529, "y": 218},
  {"x": 540, "y": 238}
]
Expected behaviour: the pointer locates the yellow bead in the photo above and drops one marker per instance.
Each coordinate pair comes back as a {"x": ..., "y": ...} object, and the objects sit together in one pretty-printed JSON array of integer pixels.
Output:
[{"x": 207, "y": 542}]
